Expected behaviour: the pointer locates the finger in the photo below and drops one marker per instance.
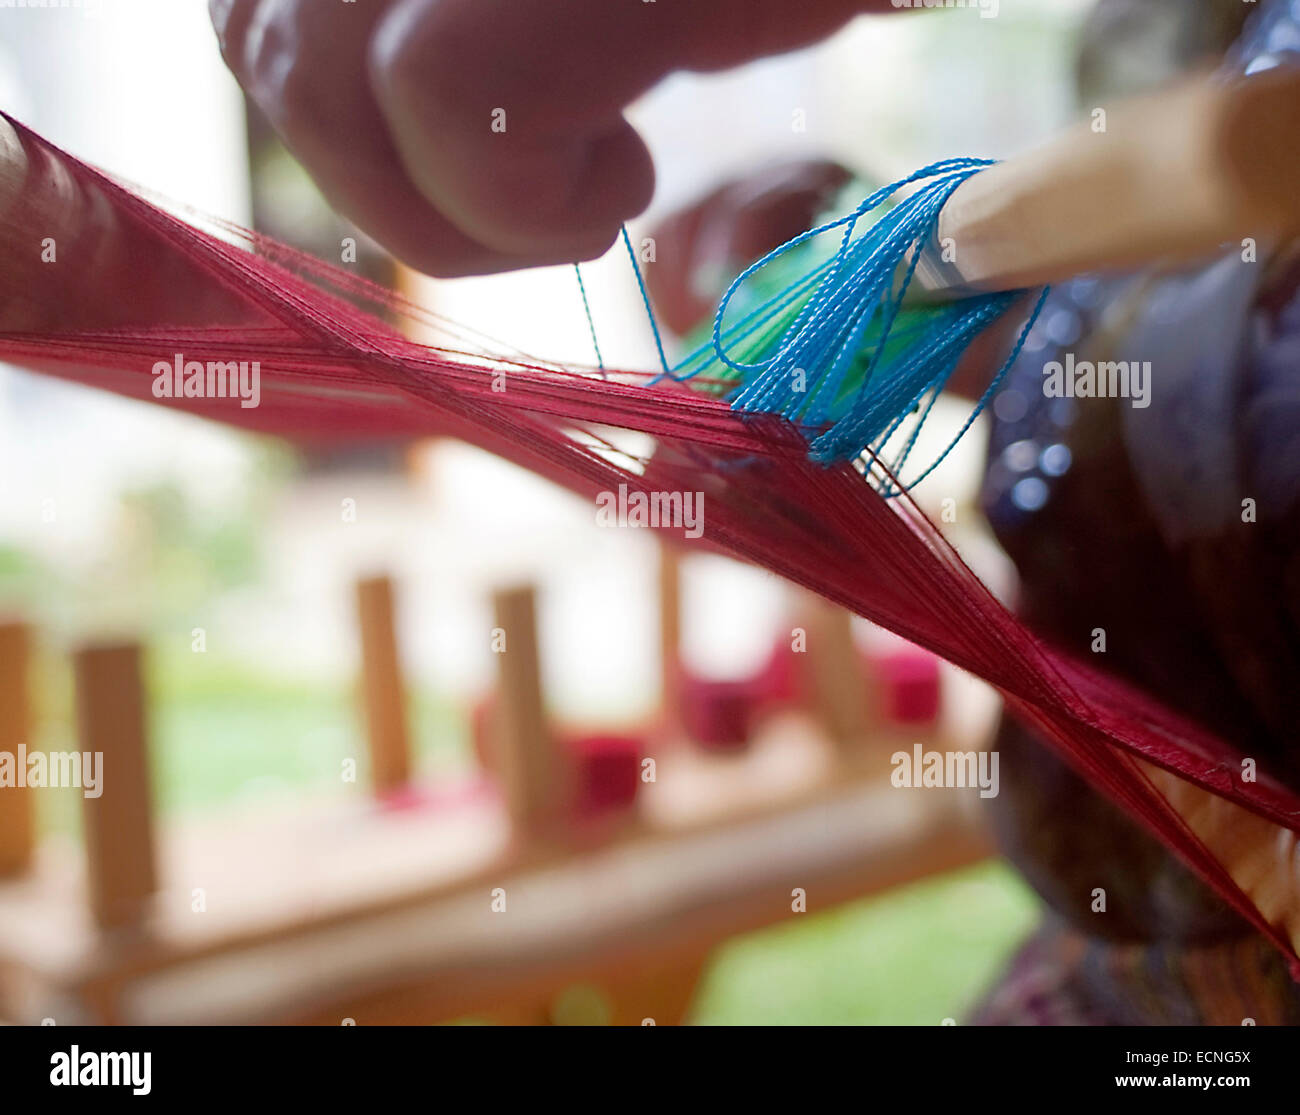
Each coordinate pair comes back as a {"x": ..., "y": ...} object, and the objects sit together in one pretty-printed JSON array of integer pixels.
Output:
[
  {"x": 304, "y": 65},
  {"x": 507, "y": 114}
]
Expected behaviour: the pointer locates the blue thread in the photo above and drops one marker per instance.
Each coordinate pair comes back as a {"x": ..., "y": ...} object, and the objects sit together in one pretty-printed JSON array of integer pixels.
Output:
[
  {"x": 645, "y": 298},
  {"x": 989, "y": 390},
  {"x": 848, "y": 330},
  {"x": 845, "y": 332},
  {"x": 702, "y": 357},
  {"x": 591, "y": 323}
]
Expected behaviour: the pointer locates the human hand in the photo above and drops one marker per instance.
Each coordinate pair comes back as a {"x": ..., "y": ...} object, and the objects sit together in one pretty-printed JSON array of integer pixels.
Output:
[{"x": 473, "y": 136}]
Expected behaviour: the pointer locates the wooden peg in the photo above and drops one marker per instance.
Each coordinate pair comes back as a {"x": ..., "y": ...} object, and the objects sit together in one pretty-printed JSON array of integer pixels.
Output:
[
  {"x": 1169, "y": 178},
  {"x": 120, "y": 861},
  {"x": 17, "y": 824},
  {"x": 382, "y": 686},
  {"x": 835, "y": 676},
  {"x": 670, "y": 636},
  {"x": 528, "y": 762}
]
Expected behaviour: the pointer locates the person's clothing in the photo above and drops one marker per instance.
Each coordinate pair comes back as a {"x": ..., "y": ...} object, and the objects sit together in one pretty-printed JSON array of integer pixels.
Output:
[
  {"x": 1062, "y": 977},
  {"x": 1171, "y": 531}
]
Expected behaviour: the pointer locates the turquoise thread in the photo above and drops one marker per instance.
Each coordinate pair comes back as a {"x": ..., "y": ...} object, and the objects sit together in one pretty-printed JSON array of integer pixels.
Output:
[
  {"x": 591, "y": 322},
  {"x": 854, "y": 364},
  {"x": 847, "y": 331},
  {"x": 645, "y": 298}
]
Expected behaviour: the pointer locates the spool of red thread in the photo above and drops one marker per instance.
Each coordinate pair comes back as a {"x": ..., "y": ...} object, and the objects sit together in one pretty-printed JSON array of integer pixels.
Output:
[
  {"x": 606, "y": 773},
  {"x": 718, "y": 715},
  {"x": 780, "y": 683},
  {"x": 908, "y": 684}
]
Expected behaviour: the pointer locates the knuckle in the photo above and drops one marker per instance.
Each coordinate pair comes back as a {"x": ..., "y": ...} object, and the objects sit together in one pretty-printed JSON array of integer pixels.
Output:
[
  {"x": 279, "y": 73},
  {"x": 232, "y": 21},
  {"x": 408, "y": 58},
  {"x": 390, "y": 57},
  {"x": 220, "y": 11}
]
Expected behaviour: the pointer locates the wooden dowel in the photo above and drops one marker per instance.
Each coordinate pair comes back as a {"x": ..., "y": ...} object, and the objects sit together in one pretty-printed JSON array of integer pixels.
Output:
[
  {"x": 120, "y": 862},
  {"x": 1164, "y": 178},
  {"x": 382, "y": 686},
  {"x": 529, "y": 764},
  {"x": 835, "y": 674},
  {"x": 670, "y": 636},
  {"x": 17, "y": 822}
]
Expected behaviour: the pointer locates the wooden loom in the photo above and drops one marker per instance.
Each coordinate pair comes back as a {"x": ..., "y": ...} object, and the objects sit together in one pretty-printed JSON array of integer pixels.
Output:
[{"x": 383, "y": 911}]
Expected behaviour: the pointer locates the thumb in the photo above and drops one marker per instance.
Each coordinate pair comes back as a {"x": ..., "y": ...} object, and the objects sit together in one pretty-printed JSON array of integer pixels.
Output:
[{"x": 508, "y": 114}]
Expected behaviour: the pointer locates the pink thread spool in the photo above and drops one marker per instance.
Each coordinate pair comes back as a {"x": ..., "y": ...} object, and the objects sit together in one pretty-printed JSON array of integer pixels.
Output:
[
  {"x": 781, "y": 682},
  {"x": 908, "y": 685},
  {"x": 606, "y": 774},
  {"x": 718, "y": 715}
]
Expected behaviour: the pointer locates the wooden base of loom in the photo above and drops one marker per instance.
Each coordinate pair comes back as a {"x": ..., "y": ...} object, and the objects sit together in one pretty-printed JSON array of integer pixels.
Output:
[{"x": 384, "y": 915}]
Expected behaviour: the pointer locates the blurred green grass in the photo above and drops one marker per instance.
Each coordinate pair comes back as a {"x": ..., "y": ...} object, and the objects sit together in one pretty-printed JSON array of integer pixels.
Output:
[
  {"x": 219, "y": 734},
  {"x": 910, "y": 957}
]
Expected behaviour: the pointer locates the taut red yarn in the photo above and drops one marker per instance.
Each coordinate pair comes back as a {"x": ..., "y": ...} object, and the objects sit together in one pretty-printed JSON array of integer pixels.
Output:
[{"x": 134, "y": 286}]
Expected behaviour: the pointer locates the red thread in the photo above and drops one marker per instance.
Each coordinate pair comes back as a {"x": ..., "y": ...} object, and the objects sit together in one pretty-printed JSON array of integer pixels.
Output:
[{"x": 136, "y": 285}]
